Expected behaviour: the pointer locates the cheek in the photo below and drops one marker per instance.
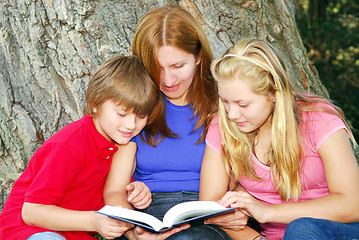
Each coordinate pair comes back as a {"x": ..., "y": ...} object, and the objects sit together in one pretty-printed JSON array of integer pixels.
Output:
[
  {"x": 141, "y": 123},
  {"x": 226, "y": 107},
  {"x": 188, "y": 73}
]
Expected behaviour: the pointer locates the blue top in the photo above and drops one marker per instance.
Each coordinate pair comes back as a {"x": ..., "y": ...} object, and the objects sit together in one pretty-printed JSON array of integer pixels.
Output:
[{"x": 175, "y": 164}]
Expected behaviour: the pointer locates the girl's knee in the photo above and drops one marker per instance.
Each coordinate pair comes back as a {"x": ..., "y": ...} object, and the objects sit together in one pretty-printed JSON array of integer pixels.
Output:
[{"x": 304, "y": 228}]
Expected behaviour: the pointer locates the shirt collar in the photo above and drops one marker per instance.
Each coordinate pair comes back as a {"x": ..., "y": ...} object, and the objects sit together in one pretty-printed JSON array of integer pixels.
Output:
[{"x": 101, "y": 141}]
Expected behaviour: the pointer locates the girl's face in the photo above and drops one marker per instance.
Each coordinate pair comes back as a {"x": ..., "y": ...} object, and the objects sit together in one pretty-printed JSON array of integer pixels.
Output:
[
  {"x": 249, "y": 110},
  {"x": 116, "y": 124},
  {"x": 177, "y": 72}
]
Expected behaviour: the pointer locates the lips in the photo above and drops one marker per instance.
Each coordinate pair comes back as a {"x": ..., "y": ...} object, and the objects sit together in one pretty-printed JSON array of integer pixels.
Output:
[
  {"x": 126, "y": 134},
  {"x": 241, "y": 124},
  {"x": 172, "y": 88}
]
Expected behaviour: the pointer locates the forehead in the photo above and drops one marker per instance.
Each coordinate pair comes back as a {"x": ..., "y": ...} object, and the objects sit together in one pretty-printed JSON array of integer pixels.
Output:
[
  {"x": 169, "y": 54},
  {"x": 234, "y": 90}
]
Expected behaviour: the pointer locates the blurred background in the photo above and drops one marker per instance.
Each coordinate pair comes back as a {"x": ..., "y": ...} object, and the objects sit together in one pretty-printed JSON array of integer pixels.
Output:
[{"x": 330, "y": 32}]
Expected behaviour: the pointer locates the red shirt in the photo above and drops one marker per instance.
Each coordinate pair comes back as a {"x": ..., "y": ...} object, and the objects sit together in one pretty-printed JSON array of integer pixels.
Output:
[{"x": 69, "y": 170}]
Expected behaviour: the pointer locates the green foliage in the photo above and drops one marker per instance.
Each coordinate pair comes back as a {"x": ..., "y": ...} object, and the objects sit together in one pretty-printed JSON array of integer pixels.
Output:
[
  {"x": 98, "y": 236},
  {"x": 330, "y": 31}
]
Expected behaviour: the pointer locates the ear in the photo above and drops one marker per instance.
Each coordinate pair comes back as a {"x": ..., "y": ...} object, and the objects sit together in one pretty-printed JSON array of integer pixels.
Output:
[
  {"x": 273, "y": 97},
  {"x": 198, "y": 59}
]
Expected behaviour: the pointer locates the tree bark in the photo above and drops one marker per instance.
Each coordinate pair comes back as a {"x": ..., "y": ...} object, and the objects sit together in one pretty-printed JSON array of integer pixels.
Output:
[{"x": 49, "y": 49}]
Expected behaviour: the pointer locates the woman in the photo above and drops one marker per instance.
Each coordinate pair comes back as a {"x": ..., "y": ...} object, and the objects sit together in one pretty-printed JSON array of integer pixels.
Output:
[
  {"x": 169, "y": 152},
  {"x": 288, "y": 149}
]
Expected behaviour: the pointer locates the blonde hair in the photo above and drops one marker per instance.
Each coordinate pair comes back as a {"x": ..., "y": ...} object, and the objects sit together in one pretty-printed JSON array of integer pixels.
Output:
[
  {"x": 260, "y": 65},
  {"x": 174, "y": 26},
  {"x": 125, "y": 81}
]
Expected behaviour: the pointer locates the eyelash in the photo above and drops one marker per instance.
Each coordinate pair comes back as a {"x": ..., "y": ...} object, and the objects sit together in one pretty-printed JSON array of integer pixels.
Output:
[{"x": 241, "y": 105}]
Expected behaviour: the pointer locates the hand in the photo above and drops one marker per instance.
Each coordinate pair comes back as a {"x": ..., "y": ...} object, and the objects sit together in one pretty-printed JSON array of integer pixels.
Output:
[
  {"x": 139, "y": 195},
  {"x": 141, "y": 234},
  {"x": 235, "y": 221},
  {"x": 247, "y": 204},
  {"x": 110, "y": 228}
]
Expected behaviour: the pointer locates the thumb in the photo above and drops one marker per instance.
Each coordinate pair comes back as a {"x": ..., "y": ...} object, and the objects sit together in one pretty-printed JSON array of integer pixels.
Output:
[{"x": 130, "y": 187}]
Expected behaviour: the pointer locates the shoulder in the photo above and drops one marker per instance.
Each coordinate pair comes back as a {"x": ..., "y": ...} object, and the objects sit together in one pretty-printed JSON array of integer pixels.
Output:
[
  {"x": 213, "y": 137},
  {"x": 72, "y": 132},
  {"x": 320, "y": 123},
  {"x": 75, "y": 138}
]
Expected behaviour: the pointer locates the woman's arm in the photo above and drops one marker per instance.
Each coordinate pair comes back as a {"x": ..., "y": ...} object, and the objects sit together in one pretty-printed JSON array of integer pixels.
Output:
[{"x": 342, "y": 175}]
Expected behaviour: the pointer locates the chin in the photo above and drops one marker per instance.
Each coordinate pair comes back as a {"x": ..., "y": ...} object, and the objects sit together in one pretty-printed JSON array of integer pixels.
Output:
[{"x": 122, "y": 141}]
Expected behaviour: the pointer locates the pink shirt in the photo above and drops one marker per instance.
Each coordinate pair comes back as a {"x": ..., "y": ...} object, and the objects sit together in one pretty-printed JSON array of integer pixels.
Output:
[{"x": 314, "y": 185}]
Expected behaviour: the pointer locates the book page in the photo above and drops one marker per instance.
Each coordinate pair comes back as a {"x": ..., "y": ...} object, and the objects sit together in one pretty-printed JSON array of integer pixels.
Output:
[
  {"x": 133, "y": 215},
  {"x": 186, "y": 210}
]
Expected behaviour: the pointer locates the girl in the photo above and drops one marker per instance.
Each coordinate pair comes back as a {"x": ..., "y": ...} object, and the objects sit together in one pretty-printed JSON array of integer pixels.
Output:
[{"x": 288, "y": 149}]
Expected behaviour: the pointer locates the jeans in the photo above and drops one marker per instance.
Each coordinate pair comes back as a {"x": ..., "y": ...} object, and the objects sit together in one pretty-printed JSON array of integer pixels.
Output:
[
  {"x": 163, "y": 201},
  {"x": 321, "y": 229},
  {"x": 46, "y": 236}
]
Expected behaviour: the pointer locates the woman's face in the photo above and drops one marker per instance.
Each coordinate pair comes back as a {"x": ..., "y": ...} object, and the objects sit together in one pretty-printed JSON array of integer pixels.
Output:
[
  {"x": 177, "y": 72},
  {"x": 249, "y": 110}
]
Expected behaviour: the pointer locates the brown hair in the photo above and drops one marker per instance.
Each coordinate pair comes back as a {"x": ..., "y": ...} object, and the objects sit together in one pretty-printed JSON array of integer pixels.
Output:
[
  {"x": 125, "y": 81},
  {"x": 174, "y": 26}
]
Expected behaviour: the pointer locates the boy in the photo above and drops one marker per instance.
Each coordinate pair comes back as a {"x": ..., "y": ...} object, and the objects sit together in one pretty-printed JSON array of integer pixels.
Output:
[{"x": 57, "y": 194}]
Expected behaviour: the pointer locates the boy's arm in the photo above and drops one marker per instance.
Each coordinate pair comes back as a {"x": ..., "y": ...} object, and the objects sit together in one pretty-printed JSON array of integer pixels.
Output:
[
  {"x": 118, "y": 180},
  {"x": 61, "y": 219}
]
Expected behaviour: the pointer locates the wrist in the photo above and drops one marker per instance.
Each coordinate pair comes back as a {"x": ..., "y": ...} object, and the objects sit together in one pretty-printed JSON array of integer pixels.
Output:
[
  {"x": 130, "y": 234},
  {"x": 259, "y": 237}
]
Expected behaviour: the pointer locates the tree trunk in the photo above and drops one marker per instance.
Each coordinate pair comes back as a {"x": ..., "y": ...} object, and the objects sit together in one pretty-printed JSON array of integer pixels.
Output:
[{"x": 48, "y": 50}]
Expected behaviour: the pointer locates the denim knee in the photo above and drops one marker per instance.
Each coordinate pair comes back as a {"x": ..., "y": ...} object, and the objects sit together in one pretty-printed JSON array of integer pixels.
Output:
[
  {"x": 200, "y": 232},
  {"x": 320, "y": 229},
  {"x": 46, "y": 236},
  {"x": 303, "y": 228}
]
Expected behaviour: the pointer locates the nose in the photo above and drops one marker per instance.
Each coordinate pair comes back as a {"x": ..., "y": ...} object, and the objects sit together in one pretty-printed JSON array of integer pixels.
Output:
[
  {"x": 233, "y": 113},
  {"x": 167, "y": 78},
  {"x": 130, "y": 123}
]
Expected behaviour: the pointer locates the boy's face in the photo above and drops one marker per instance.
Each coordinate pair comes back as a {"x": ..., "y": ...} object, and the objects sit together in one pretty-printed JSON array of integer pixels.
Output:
[{"x": 116, "y": 124}]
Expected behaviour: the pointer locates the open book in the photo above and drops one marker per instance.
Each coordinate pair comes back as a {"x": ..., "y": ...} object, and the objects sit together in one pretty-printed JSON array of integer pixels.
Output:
[{"x": 187, "y": 212}]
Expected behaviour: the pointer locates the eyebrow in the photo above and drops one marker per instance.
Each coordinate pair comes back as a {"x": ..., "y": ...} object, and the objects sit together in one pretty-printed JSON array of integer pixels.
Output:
[
  {"x": 179, "y": 63},
  {"x": 236, "y": 101}
]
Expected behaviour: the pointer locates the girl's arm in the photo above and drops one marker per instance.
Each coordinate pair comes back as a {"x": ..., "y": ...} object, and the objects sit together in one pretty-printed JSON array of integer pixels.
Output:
[
  {"x": 214, "y": 184},
  {"x": 60, "y": 219},
  {"x": 342, "y": 174},
  {"x": 214, "y": 181}
]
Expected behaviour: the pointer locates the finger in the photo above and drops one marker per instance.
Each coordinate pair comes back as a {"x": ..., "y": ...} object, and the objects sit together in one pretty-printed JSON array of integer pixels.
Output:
[
  {"x": 224, "y": 200},
  {"x": 143, "y": 204},
  {"x": 139, "y": 230},
  {"x": 138, "y": 195},
  {"x": 143, "y": 200},
  {"x": 115, "y": 232},
  {"x": 174, "y": 230}
]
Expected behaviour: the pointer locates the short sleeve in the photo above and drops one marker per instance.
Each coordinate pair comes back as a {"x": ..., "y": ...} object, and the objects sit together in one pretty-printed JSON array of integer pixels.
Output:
[
  {"x": 322, "y": 126},
  {"x": 213, "y": 138},
  {"x": 53, "y": 170}
]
